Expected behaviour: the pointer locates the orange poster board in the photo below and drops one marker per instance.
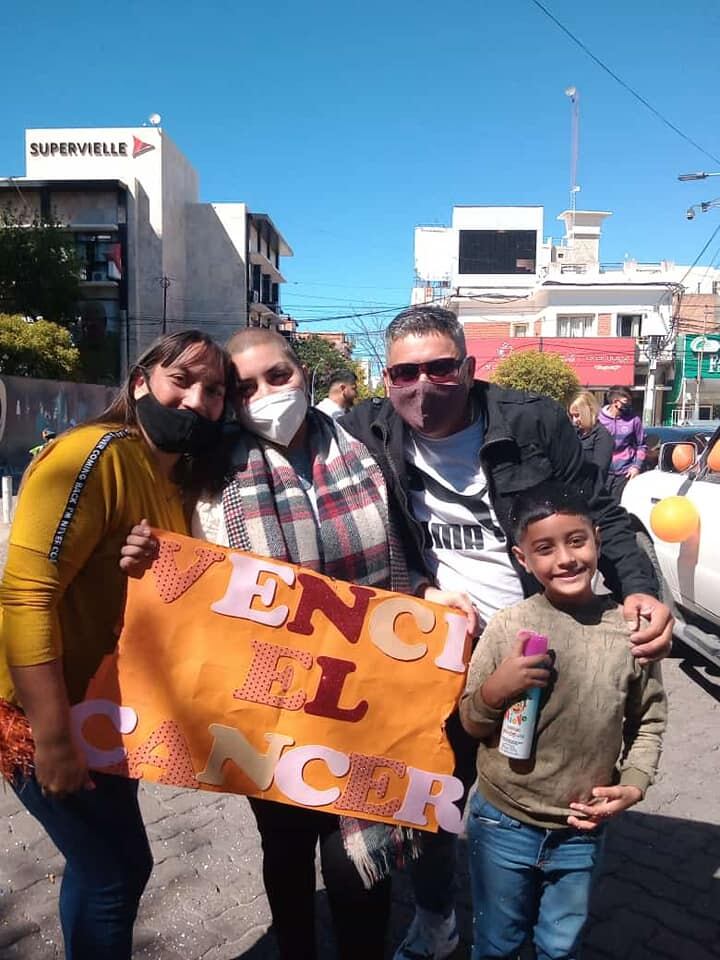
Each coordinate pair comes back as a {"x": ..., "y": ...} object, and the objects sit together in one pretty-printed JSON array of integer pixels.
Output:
[{"x": 240, "y": 674}]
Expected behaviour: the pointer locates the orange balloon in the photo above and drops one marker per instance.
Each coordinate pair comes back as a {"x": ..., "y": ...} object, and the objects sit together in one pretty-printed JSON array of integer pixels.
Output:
[
  {"x": 674, "y": 519},
  {"x": 713, "y": 460},
  {"x": 683, "y": 456}
]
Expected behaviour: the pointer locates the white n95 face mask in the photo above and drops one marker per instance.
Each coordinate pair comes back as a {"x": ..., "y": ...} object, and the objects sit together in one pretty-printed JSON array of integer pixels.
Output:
[{"x": 277, "y": 416}]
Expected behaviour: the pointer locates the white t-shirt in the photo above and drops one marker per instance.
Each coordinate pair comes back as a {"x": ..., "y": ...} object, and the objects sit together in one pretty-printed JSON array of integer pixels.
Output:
[
  {"x": 330, "y": 408},
  {"x": 465, "y": 547}
]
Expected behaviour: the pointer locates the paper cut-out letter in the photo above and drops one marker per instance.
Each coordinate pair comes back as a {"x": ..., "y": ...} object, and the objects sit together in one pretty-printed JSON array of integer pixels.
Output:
[
  {"x": 453, "y": 652},
  {"x": 124, "y": 719},
  {"x": 243, "y": 587},
  {"x": 329, "y": 691},
  {"x": 319, "y": 595},
  {"x": 289, "y": 774},
  {"x": 172, "y": 583},
  {"x": 176, "y": 766},
  {"x": 231, "y": 745},
  {"x": 361, "y": 781},
  {"x": 382, "y": 627},
  {"x": 264, "y": 672},
  {"x": 419, "y": 793}
]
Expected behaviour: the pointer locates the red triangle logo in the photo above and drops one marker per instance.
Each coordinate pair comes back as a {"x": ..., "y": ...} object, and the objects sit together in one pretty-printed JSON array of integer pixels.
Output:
[{"x": 140, "y": 147}]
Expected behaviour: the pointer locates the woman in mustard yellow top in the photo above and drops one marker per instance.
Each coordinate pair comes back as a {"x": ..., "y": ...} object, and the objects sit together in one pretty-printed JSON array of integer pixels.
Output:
[{"x": 61, "y": 598}]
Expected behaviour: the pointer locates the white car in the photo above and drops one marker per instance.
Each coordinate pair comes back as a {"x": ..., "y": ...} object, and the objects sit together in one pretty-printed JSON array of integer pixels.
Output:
[{"x": 689, "y": 571}]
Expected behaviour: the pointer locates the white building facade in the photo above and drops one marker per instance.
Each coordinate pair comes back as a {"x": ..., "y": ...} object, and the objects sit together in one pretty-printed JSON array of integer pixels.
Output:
[
  {"x": 154, "y": 257},
  {"x": 513, "y": 289}
]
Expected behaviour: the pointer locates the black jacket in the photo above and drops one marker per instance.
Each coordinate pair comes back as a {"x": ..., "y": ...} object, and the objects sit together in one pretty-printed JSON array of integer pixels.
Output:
[
  {"x": 527, "y": 439},
  {"x": 597, "y": 446}
]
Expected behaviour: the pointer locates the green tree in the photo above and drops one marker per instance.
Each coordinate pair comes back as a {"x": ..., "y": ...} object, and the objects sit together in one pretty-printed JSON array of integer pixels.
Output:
[
  {"x": 322, "y": 359},
  {"x": 544, "y": 373},
  {"x": 37, "y": 349},
  {"x": 39, "y": 269}
]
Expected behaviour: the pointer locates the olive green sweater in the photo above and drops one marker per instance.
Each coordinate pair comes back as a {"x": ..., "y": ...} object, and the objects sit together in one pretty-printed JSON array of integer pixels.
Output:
[{"x": 601, "y": 719}]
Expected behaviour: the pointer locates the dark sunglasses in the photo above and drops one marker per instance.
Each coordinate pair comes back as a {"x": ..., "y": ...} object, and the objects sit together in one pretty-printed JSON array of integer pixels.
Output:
[{"x": 442, "y": 370}]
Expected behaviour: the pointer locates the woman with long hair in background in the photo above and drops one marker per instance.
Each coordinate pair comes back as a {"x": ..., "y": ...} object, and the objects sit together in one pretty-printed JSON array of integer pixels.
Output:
[{"x": 596, "y": 442}]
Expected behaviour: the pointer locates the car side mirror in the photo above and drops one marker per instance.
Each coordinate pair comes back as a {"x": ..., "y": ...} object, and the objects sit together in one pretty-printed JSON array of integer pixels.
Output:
[{"x": 678, "y": 457}]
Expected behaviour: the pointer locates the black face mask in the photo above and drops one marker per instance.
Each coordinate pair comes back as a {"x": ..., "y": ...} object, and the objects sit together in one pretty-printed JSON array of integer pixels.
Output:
[{"x": 176, "y": 431}]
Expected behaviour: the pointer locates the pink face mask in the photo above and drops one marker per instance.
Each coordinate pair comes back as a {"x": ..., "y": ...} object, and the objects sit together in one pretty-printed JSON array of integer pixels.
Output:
[{"x": 429, "y": 407}]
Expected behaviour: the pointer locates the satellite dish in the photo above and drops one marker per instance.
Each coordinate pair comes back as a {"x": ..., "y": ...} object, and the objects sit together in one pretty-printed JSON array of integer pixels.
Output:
[
  {"x": 155, "y": 119},
  {"x": 570, "y": 91}
]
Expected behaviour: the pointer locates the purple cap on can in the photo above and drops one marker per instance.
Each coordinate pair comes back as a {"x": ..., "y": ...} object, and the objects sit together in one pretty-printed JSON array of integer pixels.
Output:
[{"x": 536, "y": 643}]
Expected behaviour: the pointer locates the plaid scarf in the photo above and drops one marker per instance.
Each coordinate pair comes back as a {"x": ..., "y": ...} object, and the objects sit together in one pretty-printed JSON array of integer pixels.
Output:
[{"x": 267, "y": 511}]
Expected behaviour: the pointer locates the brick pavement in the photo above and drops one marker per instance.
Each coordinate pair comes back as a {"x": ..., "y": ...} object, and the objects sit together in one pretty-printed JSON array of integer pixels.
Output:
[{"x": 658, "y": 896}]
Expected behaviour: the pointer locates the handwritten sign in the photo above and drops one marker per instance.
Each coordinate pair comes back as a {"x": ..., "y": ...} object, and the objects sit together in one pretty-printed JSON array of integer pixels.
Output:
[{"x": 241, "y": 674}]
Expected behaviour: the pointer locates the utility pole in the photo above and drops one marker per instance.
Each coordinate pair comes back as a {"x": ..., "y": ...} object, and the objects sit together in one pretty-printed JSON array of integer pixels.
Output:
[
  {"x": 165, "y": 282},
  {"x": 654, "y": 348},
  {"x": 699, "y": 359}
]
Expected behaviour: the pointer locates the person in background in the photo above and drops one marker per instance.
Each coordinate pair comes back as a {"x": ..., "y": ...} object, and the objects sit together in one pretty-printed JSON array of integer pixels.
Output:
[
  {"x": 455, "y": 451},
  {"x": 596, "y": 442},
  {"x": 628, "y": 437},
  {"x": 46, "y": 436},
  {"x": 536, "y": 827},
  {"x": 62, "y": 597},
  {"x": 342, "y": 394}
]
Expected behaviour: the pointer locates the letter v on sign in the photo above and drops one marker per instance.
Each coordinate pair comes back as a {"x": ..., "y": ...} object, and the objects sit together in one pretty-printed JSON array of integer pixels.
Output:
[{"x": 172, "y": 583}]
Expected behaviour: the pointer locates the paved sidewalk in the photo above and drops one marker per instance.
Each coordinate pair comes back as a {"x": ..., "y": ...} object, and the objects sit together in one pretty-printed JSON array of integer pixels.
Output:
[{"x": 658, "y": 897}]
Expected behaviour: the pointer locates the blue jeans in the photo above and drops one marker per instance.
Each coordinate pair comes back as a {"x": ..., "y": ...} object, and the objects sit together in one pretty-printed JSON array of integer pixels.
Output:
[
  {"x": 102, "y": 837},
  {"x": 528, "y": 881}
]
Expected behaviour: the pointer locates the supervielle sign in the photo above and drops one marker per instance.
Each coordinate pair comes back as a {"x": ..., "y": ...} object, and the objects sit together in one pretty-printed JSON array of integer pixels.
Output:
[{"x": 89, "y": 148}]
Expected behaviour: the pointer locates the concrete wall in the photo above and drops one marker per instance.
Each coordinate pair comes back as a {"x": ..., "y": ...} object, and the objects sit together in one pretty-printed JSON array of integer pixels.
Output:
[
  {"x": 80, "y": 207},
  {"x": 179, "y": 191},
  {"x": 215, "y": 272}
]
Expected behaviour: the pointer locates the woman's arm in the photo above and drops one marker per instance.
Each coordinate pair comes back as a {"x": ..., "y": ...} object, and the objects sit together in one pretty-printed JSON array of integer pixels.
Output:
[
  {"x": 58, "y": 524},
  {"x": 60, "y": 768}
]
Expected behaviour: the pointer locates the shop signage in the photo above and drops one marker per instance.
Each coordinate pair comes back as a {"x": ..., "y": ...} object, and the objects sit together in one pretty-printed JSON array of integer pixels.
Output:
[
  {"x": 597, "y": 361},
  {"x": 703, "y": 351},
  {"x": 704, "y": 345},
  {"x": 89, "y": 148}
]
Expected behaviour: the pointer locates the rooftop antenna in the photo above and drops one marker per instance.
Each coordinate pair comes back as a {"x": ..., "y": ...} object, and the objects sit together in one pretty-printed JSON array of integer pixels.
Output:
[{"x": 574, "y": 96}]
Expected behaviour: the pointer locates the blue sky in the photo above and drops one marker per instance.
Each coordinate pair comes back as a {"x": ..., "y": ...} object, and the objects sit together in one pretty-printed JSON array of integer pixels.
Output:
[{"x": 351, "y": 124}]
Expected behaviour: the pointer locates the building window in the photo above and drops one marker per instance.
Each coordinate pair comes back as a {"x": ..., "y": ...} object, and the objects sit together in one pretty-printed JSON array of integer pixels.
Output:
[
  {"x": 575, "y": 326},
  {"x": 497, "y": 251},
  {"x": 520, "y": 330},
  {"x": 629, "y": 325}
]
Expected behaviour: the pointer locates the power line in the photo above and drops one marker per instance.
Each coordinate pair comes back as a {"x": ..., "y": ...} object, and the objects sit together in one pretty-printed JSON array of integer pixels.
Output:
[
  {"x": 697, "y": 258},
  {"x": 626, "y": 86}
]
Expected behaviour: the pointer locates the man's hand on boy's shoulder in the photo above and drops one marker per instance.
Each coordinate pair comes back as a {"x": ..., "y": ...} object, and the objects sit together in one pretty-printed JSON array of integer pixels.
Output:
[
  {"x": 652, "y": 624},
  {"x": 607, "y": 802}
]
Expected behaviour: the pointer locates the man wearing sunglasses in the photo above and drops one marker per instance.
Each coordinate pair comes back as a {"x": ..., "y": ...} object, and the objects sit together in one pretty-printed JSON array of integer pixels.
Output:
[{"x": 455, "y": 451}]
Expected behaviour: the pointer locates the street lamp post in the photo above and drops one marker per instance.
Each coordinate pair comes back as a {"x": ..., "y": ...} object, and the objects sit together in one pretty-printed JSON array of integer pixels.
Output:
[
  {"x": 701, "y": 175},
  {"x": 703, "y": 207}
]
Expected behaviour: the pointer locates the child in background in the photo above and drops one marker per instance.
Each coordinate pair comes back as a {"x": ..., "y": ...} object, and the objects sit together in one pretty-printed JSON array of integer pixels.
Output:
[{"x": 536, "y": 826}]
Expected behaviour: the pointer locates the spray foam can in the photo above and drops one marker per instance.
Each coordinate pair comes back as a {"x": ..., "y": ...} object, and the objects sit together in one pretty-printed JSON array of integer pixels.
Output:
[{"x": 518, "y": 729}]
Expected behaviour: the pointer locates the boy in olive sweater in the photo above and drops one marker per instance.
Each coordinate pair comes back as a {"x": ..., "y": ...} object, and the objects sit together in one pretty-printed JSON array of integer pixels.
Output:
[{"x": 536, "y": 826}]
